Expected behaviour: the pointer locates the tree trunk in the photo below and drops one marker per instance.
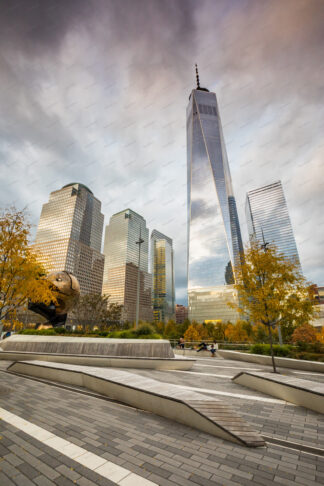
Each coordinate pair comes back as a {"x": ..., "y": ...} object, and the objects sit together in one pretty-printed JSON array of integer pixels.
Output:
[{"x": 271, "y": 348}]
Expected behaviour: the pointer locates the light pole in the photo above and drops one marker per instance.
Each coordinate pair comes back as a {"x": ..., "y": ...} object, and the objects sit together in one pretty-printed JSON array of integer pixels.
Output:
[
  {"x": 139, "y": 243},
  {"x": 264, "y": 246}
]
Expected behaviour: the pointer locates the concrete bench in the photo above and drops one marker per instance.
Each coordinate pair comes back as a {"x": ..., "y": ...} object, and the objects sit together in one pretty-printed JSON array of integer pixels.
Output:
[
  {"x": 296, "y": 364},
  {"x": 120, "y": 353},
  {"x": 184, "y": 406},
  {"x": 306, "y": 393},
  {"x": 182, "y": 364}
]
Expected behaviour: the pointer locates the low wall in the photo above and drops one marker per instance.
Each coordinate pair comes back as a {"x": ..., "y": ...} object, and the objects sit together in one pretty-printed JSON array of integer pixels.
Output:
[
  {"x": 139, "y": 348},
  {"x": 305, "y": 393},
  {"x": 192, "y": 352},
  {"x": 296, "y": 364},
  {"x": 103, "y": 361}
]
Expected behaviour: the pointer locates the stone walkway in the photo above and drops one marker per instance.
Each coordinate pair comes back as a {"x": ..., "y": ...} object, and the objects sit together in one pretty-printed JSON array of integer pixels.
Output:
[{"x": 163, "y": 452}]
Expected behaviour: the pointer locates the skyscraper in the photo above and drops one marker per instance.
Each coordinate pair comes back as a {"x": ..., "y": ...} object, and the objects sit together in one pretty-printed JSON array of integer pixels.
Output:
[
  {"x": 267, "y": 217},
  {"x": 69, "y": 235},
  {"x": 121, "y": 264},
  {"x": 162, "y": 269},
  {"x": 214, "y": 236}
]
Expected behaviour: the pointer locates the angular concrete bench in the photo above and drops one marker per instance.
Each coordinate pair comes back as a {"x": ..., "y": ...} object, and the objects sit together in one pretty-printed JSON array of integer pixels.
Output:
[
  {"x": 104, "y": 361},
  {"x": 306, "y": 393},
  {"x": 296, "y": 364},
  {"x": 184, "y": 406}
]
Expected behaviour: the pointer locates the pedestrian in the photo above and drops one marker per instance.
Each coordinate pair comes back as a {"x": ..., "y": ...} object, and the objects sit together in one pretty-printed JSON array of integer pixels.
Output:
[{"x": 202, "y": 347}]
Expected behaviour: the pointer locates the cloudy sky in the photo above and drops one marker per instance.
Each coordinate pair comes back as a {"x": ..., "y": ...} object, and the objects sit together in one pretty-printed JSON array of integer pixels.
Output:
[{"x": 95, "y": 91}]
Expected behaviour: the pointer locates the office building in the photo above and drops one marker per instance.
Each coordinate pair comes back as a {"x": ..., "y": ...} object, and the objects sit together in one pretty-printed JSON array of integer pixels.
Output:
[
  {"x": 318, "y": 322},
  {"x": 214, "y": 236},
  {"x": 121, "y": 265},
  {"x": 162, "y": 269},
  {"x": 69, "y": 235},
  {"x": 268, "y": 219},
  {"x": 181, "y": 313}
]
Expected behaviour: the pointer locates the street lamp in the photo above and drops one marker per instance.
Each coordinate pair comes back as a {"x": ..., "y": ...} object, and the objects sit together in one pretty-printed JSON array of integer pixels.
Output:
[
  {"x": 139, "y": 243},
  {"x": 265, "y": 248}
]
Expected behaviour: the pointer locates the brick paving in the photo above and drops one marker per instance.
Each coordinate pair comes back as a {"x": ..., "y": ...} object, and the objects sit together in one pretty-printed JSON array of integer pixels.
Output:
[{"x": 153, "y": 447}]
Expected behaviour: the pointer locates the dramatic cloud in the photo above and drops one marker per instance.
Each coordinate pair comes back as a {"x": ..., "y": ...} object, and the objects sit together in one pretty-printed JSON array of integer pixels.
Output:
[{"x": 96, "y": 91}]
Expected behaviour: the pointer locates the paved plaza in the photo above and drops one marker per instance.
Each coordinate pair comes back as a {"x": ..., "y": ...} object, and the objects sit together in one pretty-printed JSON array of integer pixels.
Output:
[{"x": 132, "y": 447}]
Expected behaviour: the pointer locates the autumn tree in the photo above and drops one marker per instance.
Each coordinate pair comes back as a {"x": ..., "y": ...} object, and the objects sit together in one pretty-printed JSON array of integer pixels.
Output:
[
  {"x": 238, "y": 332},
  {"x": 96, "y": 310},
  {"x": 271, "y": 289},
  {"x": 305, "y": 333},
  {"x": 219, "y": 333},
  {"x": 170, "y": 330},
  {"x": 21, "y": 273},
  {"x": 192, "y": 333}
]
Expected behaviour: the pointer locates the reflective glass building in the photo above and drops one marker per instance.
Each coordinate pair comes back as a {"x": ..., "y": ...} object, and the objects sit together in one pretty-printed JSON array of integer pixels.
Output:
[
  {"x": 121, "y": 265},
  {"x": 214, "y": 237},
  {"x": 162, "y": 269},
  {"x": 266, "y": 211},
  {"x": 69, "y": 235}
]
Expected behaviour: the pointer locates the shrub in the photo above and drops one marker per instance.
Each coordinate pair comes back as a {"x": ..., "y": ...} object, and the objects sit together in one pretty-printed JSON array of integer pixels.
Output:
[
  {"x": 60, "y": 330},
  {"x": 143, "y": 329},
  {"x": 283, "y": 350},
  {"x": 41, "y": 332},
  {"x": 237, "y": 347},
  {"x": 258, "y": 348},
  {"x": 310, "y": 356},
  {"x": 264, "y": 349}
]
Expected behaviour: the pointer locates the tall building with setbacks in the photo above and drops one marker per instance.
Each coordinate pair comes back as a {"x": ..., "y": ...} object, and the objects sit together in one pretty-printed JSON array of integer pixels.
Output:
[
  {"x": 69, "y": 235},
  {"x": 214, "y": 236}
]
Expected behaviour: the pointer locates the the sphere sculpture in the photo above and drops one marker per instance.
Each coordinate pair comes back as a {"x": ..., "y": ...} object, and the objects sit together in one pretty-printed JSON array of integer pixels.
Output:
[{"x": 67, "y": 288}]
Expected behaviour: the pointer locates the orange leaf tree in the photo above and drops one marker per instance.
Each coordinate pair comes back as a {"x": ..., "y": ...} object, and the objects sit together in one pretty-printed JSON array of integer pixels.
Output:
[
  {"x": 21, "y": 274},
  {"x": 305, "y": 333}
]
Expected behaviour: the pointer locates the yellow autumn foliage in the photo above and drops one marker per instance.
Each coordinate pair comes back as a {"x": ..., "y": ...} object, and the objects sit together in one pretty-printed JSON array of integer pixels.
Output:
[{"x": 21, "y": 273}]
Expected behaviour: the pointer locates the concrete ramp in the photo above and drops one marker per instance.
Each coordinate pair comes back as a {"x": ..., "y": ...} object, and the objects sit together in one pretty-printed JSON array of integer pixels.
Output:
[
  {"x": 306, "y": 393},
  {"x": 170, "y": 401}
]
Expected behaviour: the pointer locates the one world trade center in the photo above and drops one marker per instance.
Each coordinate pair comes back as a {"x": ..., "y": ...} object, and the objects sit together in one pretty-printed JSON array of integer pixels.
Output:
[{"x": 214, "y": 236}]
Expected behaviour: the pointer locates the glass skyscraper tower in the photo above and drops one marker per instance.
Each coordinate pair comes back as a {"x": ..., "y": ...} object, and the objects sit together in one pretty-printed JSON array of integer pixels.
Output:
[
  {"x": 162, "y": 269},
  {"x": 69, "y": 235},
  {"x": 121, "y": 265},
  {"x": 268, "y": 218},
  {"x": 214, "y": 236}
]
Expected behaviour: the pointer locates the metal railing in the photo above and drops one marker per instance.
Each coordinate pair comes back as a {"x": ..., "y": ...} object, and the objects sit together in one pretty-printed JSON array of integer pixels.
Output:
[{"x": 195, "y": 344}]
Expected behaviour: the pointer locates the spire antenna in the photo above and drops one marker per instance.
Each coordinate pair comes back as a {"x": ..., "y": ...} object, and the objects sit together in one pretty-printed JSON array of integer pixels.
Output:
[{"x": 197, "y": 77}]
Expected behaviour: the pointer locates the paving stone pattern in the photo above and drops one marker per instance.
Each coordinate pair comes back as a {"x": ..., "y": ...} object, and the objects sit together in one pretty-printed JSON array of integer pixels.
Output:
[
  {"x": 152, "y": 447},
  {"x": 281, "y": 420}
]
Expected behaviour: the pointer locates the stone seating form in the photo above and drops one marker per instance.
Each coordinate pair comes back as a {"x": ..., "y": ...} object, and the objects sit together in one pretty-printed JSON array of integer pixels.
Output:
[
  {"x": 306, "y": 393},
  {"x": 120, "y": 353},
  {"x": 171, "y": 401}
]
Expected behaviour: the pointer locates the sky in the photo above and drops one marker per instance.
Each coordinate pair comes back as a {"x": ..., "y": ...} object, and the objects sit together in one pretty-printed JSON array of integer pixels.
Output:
[{"x": 95, "y": 91}]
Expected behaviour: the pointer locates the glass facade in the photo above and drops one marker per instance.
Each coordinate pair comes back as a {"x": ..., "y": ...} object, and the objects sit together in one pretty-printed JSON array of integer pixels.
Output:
[
  {"x": 267, "y": 212},
  {"x": 121, "y": 265},
  {"x": 211, "y": 304},
  {"x": 162, "y": 269},
  {"x": 69, "y": 235},
  {"x": 214, "y": 236}
]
